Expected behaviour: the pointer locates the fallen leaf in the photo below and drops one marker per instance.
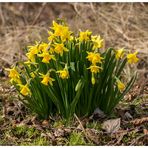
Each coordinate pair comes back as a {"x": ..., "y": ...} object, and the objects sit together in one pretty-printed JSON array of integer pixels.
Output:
[
  {"x": 98, "y": 113},
  {"x": 58, "y": 132},
  {"x": 145, "y": 131},
  {"x": 111, "y": 126},
  {"x": 45, "y": 123},
  {"x": 128, "y": 116}
]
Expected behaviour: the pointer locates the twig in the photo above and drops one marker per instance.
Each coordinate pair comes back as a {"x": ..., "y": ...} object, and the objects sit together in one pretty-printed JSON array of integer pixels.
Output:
[
  {"x": 82, "y": 127},
  {"x": 2, "y": 16}
]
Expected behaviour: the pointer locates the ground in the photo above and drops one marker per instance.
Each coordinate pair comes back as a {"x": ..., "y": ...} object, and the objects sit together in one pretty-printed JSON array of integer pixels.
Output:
[{"x": 119, "y": 28}]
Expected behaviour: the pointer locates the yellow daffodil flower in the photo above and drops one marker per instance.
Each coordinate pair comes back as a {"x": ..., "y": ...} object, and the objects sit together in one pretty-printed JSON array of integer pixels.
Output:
[
  {"x": 46, "y": 57},
  {"x": 120, "y": 85},
  {"x": 65, "y": 34},
  {"x": 95, "y": 69},
  {"x": 24, "y": 89},
  {"x": 43, "y": 47},
  {"x": 57, "y": 28},
  {"x": 119, "y": 53},
  {"x": 61, "y": 31},
  {"x": 84, "y": 36},
  {"x": 14, "y": 75},
  {"x": 94, "y": 58},
  {"x": 31, "y": 56},
  {"x": 132, "y": 58},
  {"x": 51, "y": 50},
  {"x": 47, "y": 79},
  {"x": 51, "y": 36},
  {"x": 59, "y": 49},
  {"x": 33, "y": 50},
  {"x": 64, "y": 74},
  {"x": 97, "y": 41}
]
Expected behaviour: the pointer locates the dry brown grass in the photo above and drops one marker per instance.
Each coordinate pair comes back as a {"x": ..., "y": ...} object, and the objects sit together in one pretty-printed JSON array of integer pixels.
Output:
[{"x": 121, "y": 24}]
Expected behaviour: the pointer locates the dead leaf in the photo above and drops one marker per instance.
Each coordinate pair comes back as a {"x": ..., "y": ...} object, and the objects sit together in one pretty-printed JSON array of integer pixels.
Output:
[
  {"x": 145, "y": 131},
  {"x": 59, "y": 132},
  {"x": 98, "y": 113},
  {"x": 128, "y": 116},
  {"x": 45, "y": 123},
  {"x": 112, "y": 125}
]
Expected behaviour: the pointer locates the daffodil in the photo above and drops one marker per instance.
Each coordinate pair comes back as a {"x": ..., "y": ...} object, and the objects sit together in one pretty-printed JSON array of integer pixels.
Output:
[
  {"x": 31, "y": 54},
  {"x": 46, "y": 57},
  {"x": 65, "y": 34},
  {"x": 97, "y": 42},
  {"x": 95, "y": 68},
  {"x": 14, "y": 75},
  {"x": 51, "y": 36},
  {"x": 64, "y": 74},
  {"x": 94, "y": 57},
  {"x": 84, "y": 36},
  {"x": 59, "y": 49},
  {"x": 61, "y": 31},
  {"x": 119, "y": 53},
  {"x": 132, "y": 58},
  {"x": 33, "y": 50},
  {"x": 120, "y": 85},
  {"x": 46, "y": 79},
  {"x": 57, "y": 28},
  {"x": 24, "y": 89},
  {"x": 43, "y": 47}
]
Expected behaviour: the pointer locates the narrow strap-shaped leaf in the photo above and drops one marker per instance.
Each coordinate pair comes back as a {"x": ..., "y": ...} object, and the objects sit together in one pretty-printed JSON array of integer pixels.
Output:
[
  {"x": 129, "y": 85},
  {"x": 121, "y": 67},
  {"x": 76, "y": 98}
]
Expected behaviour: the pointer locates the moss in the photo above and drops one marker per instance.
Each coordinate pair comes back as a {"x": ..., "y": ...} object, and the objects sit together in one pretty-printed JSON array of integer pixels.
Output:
[
  {"x": 40, "y": 141},
  {"x": 27, "y": 132},
  {"x": 76, "y": 138}
]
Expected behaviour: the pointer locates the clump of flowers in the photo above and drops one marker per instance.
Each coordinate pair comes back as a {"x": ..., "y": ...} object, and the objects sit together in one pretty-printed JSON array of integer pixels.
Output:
[{"x": 72, "y": 74}]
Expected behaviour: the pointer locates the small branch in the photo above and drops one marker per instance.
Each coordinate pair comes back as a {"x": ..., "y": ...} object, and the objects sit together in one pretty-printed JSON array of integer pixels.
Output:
[{"x": 82, "y": 127}]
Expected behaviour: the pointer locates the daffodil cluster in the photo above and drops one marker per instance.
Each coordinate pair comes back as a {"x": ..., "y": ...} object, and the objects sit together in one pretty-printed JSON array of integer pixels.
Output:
[{"x": 71, "y": 74}]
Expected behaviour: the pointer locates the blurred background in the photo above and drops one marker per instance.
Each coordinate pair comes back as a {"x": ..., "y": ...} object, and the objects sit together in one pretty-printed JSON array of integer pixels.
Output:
[{"x": 120, "y": 24}]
